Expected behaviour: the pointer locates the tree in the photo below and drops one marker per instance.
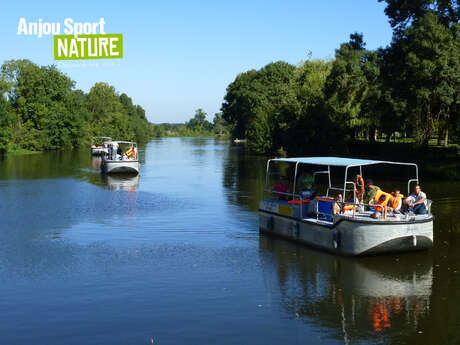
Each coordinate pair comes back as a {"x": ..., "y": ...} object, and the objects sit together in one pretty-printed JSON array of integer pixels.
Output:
[
  {"x": 220, "y": 125},
  {"x": 347, "y": 86},
  {"x": 426, "y": 64},
  {"x": 43, "y": 110},
  {"x": 403, "y": 13},
  {"x": 6, "y": 122},
  {"x": 256, "y": 103},
  {"x": 199, "y": 123}
]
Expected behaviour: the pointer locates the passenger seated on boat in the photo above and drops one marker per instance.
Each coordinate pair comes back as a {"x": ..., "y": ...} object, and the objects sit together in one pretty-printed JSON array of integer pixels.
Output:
[
  {"x": 337, "y": 206},
  {"x": 417, "y": 201},
  {"x": 305, "y": 185},
  {"x": 281, "y": 186},
  {"x": 131, "y": 152},
  {"x": 395, "y": 202},
  {"x": 370, "y": 191},
  {"x": 380, "y": 207},
  {"x": 313, "y": 206}
]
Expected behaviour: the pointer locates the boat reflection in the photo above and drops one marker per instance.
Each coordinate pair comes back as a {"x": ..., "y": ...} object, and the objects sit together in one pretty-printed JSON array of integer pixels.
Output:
[
  {"x": 96, "y": 162},
  {"x": 356, "y": 298},
  {"x": 121, "y": 182}
]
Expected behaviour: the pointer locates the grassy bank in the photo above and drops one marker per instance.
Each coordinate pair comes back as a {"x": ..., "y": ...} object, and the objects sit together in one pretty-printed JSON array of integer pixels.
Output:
[{"x": 21, "y": 151}]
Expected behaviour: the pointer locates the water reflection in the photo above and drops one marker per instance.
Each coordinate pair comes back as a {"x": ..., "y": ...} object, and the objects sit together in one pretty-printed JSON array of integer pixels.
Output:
[
  {"x": 357, "y": 299},
  {"x": 96, "y": 162},
  {"x": 243, "y": 177},
  {"x": 121, "y": 182}
]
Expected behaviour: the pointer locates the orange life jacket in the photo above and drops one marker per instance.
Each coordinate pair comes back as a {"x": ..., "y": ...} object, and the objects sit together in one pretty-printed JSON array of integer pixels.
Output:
[
  {"x": 348, "y": 207},
  {"x": 297, "y": 201},
  {"x": 379, "y": 206},
  {"x": 130, "y": 152},
  {"x": 394, "y": 202}
]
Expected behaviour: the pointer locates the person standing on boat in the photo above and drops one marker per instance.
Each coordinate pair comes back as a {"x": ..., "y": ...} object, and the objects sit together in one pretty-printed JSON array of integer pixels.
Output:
[
  {"x": 119, "y": 152},
  {"x": 110, "y": 151},
  {"x": 305, "y": 185},
  {"x": 370, "y": 191},
  {"x": 114, "y": 151},
  {"x": 417, "y": 201},
  {"x": 282, "y": 186}
]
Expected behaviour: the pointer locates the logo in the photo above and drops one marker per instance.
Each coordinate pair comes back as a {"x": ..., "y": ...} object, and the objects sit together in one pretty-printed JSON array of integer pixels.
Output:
[{"x": 79, "y": 41}]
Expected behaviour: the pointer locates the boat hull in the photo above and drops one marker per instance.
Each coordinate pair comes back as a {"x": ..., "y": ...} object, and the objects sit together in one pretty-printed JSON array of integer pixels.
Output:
[
  {"x": 120, "y": 167},
  {"x": 351, "y": 237}
]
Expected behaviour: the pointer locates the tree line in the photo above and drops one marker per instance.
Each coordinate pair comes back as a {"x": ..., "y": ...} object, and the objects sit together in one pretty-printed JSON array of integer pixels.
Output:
[
  {"x": 197, "y": 126},
  {"x": 407, "y": 91},
  {"x": 40, "y": 109}
]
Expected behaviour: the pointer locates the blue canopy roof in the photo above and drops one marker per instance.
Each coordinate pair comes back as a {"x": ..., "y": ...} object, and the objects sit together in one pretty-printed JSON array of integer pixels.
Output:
[{"x": 335, "y": 161}]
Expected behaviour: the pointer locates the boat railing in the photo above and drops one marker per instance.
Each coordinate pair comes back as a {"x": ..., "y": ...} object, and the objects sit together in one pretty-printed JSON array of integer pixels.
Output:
[
  {"x": 356, "y": 208},
  {"x": 289, "y": 196},
  {"x": 409, "y": 182},
  {"x": 339, "y": 189}
]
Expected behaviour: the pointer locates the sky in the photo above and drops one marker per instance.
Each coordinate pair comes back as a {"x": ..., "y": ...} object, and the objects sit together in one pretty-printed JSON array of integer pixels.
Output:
[{"x": 179, "y": 56}]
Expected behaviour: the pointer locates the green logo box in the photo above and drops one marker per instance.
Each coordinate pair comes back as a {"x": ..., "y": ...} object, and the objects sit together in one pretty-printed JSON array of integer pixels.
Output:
[{"x": 84, "y": 47}]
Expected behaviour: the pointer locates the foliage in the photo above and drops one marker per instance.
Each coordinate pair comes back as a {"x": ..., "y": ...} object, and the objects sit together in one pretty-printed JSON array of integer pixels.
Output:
[
  {"x": 6, "y": 123},
  {"x": 197, "y": 126},
  {"x": 220, "y": 125},
  {"x": 257, "y": 102},
  {"x": 44, "y": 111},
  {"x": 409, "y": 89},
  {"x": 199, "y": 123}
]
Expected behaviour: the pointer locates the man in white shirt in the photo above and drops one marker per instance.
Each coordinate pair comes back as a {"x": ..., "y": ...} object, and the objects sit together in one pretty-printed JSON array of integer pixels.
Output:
[{"x": 417, "y": 201}]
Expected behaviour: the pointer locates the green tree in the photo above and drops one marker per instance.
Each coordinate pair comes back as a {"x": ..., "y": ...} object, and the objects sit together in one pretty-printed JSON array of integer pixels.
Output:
[
  {"x": 427, "y": 62},
  {"x": 346, "y": 88},
  {"x": 6, "y": 123},
  {"x": 257, "y": 103},
  {"x": 199, "y": 123},
  {"x": 44, "y": 111},
  {"x": 220, "y": 125},
  {"x": 403, "y": 13}
]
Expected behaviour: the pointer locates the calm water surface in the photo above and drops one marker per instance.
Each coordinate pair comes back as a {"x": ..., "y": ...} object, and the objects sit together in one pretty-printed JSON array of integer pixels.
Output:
[{"x": 175, "y": 255}]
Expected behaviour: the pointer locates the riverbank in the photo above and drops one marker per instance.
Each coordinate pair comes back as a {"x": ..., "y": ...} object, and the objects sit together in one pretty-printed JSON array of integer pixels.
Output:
[{"x": 20, "y": 151}]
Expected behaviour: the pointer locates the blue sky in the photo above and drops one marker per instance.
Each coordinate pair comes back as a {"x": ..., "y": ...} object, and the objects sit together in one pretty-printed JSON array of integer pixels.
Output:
[{"x": 181, "y": 55}]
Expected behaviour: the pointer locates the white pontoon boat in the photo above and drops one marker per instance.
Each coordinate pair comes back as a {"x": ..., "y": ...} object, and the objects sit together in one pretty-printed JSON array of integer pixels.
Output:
[
  {"x": 121, "y": 158},
  {"x": 353, "y": 232}
]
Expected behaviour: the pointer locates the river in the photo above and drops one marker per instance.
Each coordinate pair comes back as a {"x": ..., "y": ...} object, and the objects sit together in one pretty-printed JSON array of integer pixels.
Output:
[{"x": 174, "y": 256}]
